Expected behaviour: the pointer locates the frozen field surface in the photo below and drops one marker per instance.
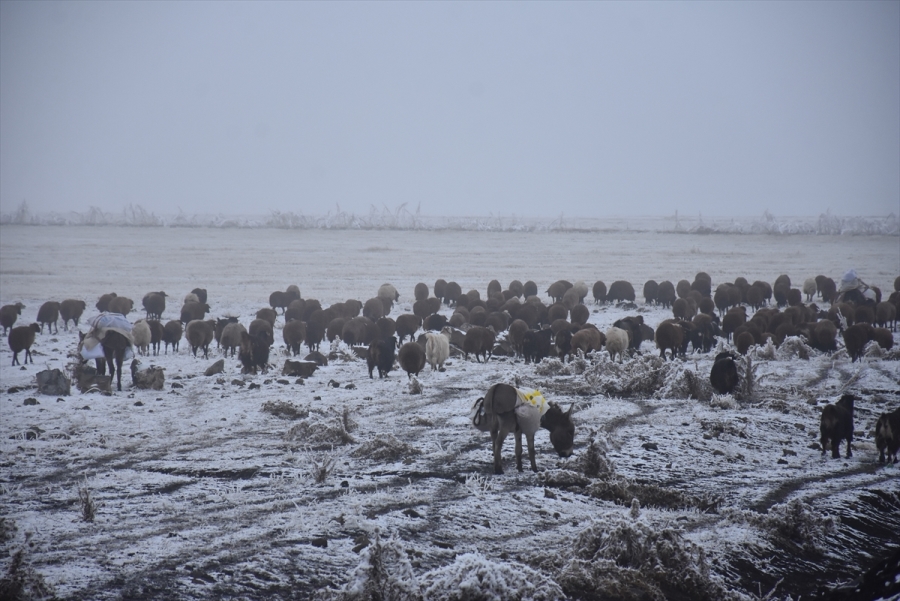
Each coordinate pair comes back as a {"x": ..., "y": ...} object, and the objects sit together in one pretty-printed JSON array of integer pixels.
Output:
[{"x": 339, "y": 486}]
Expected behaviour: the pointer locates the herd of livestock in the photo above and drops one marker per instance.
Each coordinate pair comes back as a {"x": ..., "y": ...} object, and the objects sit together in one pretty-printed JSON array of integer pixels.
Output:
[{"x": 512, "y": 321}]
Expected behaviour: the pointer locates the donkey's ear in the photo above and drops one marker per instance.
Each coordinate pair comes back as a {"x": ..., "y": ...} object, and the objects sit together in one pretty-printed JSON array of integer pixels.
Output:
[{"x": 569, "y": 412}]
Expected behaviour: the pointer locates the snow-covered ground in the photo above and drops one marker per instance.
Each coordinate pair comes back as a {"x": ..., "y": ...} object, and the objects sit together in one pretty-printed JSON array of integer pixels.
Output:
[{"x": 341, "y": 486}]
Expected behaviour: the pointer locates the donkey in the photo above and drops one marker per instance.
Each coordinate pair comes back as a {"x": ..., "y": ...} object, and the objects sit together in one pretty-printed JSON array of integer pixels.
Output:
[
  {"x": 501, "y": 411},
  {"x": 115, "y": 345}
]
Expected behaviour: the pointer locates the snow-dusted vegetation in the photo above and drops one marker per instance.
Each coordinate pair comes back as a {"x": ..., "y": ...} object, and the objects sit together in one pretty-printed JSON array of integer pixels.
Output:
[{"x": 338, "y": 486}]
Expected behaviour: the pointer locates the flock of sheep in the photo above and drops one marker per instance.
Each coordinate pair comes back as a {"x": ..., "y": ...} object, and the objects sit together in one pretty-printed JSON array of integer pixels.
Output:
[{"x": 514, "y": 320}]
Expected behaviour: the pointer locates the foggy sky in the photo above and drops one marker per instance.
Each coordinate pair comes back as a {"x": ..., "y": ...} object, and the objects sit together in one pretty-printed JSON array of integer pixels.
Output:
[{"x": 533, "y": 109}]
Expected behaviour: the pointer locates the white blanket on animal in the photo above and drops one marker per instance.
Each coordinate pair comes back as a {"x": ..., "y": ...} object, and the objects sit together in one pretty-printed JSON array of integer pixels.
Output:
[
  {"x": 116, "y": 322},
  {"x": 530, "y": 406}
]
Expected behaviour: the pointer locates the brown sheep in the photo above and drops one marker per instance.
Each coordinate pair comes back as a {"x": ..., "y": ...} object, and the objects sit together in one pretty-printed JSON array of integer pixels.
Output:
[
  {"x": 580, "y": 314},
  {"x": 261, "y": 325},
  {"x": 651, "y": 292},
  {"x": 794, "y": 297},
  {"x": 887, "y": 436},
  {"x": 557, "y": 311},
  {"x": 886, "y": 315},
  {"x": 836, "y": 425},
  {"x": 315, "y": 334},
  {"x": 824, "y": 336},
  {"x": 279, "y": 300},
  {"x": 586, "y": 340},
  {"x": 724, "y": 375},
  {"x": 529, "y": 288},
  {"x": 192, "y": 311},
  {"x": 9, "y": 314},
  {"x": 407, "y": 325},
  {"x": 373, "y": 309},
  {"x": 411, "y": 357},
  {"x": 268, "y": 314},
  {"x": 356, "y": 331},
  {"x": 599, "y": 292},
  {"x": 452, "y": 293},
  {"x": 493, "y": 288},
  {"x": 516, "y": 335},
  {"x": 172, "y": 332},
  {"x": 154, "y": 304},
  {"x": 497, "y": 320},
  {"x": 557, "y": 289},
  {"x": 856, "y": 337},
  {"x": 200, "y": 293},
  {"x": 49, "y": 314},
  {"x": 517, "y": 288},
  {"x": 665, "y": 294},
  {"x": 704, "y": 332},
  {"x": 440, "y": 288},
  {"x": 458, "y": 320},
  {"x": 103, "y": 302},
  {"x": 335, "y": 328},
  {"x": 221, "y": 324},
  {"x": 681, "y": 309},
  {"x": 387, "y": 327},
  {"x": 294, "y": 334},
  {"x": 734, "y": 318},
  {"x": 296, "y": 309},
  {"x": 434, "y": 323},
  {"x": 480, "y": 342},
  {"x": 421, "y": 291},
  {"x": 71, "y": 309},
  {"x": 702, "y": 283},
  {"x": 744, "y": 341},
  {"x": 883, "y": 337},
  {"x": 156, "y": 334},
  {"x": 121, "y": 304},
  {"x": 620, "y": 290},
  {"x": 21, "y": 339},
  {"x": 200, "y": 333},
  {"x": 683, "y": 288},
  {"x": 669, "y": 336},
  {"x": 864, "y": 314}
]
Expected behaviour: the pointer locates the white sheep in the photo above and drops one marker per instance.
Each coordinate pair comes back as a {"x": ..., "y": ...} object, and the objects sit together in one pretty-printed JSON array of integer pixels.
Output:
[
  {"x": 616, "y": 342},
  {"x": 388, "y": 291},
  {"x": 190, "y": 297},
  {"x": 437, "y": 348},
  {"x": 810, "y": 288},
  {"x": 140, "y": 332}
]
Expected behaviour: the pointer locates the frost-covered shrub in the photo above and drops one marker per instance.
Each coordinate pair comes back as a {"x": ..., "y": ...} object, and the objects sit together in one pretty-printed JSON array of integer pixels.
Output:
[
  {"x": 563, "y": 479},
  {"x": 320, "y": 429},
  {"x": 472, "y": 577},
  {"x": 626, "y": 558},
  {"x": 415, "y": 387},
  {"x": 284, "y": 409},
  {"x": 594, "y": 462},
  {"x": 793, "y": 346},
  {"x": 384, "y": 573},
  {"x": 549, "y": 367},
  {"x": 723, "y": 401},
  {"x": 621, "y": 490},
  {"x": 384, "y": 447},
  {"x": 647, "y": 376},
  {"x": 795, "y": 521},
  {"x": 766, "y": 352}
]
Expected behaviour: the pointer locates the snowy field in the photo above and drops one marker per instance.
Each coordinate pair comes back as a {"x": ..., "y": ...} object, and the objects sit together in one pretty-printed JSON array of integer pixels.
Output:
[{"x": 266, "y": 487}]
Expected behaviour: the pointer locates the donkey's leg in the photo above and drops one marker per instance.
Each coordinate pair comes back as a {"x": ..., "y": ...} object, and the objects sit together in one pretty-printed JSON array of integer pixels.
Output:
[
  {"x": 499, "y": 429},
  {"x": 120, "y": 356},
  {"x": 519, "y": 449},
  {"x": 530, "y": 439}
]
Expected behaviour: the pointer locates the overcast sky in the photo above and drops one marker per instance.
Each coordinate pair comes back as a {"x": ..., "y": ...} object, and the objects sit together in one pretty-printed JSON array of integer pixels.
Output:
[{"x": 536, "y": 109}]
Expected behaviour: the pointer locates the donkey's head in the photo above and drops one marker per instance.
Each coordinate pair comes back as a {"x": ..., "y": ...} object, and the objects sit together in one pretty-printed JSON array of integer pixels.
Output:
[{"x": 562, "y": 430}]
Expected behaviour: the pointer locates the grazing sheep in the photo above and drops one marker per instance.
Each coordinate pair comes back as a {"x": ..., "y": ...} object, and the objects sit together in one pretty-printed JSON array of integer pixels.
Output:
[
  {"x": 493, "y": 288},
  {"x": 172, "y": 332},
  {"x": 516, "y": 335},
  {"x": 381, "y": 355},
  {"x": 632, "y": 326},
  {"x": 355, "y": 331},
  {"x": 407, "y": 325},
  {"x": 556, "y": 311},
  {"x": 9, "y": 314},
  {"x": 389, "y": 292},
  {"x": 536, "y": 344},
  {"x": 296, "y": 309},
  {"x": 190, "y": 297},
  {"x": 232, "y": 336},
  {"x": 580, "y": 314},
  {"x": 683, "y": 288},
  {"x": 258, "y": 326},
  {"x": 836, "y": 425},
  {"x": 20, "y": 339},
  {"x": 254, "y": 353},
  {"x": 200, "y": 333},
  {"x": 268, "y": 314},
  {"x": 437, "y": 348},
  {"x": 335, "y": 328},
  {"x": 886, "y": 315},
  {"x": 665, "y": 293},
  {"x": 440, "y": 288},
  {"x": 571, "y": 298},
  {"x": 755, "y": 297},
  {"x": 140, "y": 332},
  {"x": 497, "y": 320},
  {"x": 293, "y": 293},
  {"x": 49, "y": 314},
  {"x": 421, "y": 291},
  {"x": 724, "y": 375},
  {"x": 616, "y": 342},
  {"x": 810, "y": 289},
  {"x": 154, "y": 304},
  {"x": 704, "y": 332},
  {"x": 651, "y": 292},
  {"x": 103, "y": 302},
  {"x": 887, "y": 436},
  {"x": 411, "y": 357},
  {"x": 221, "y": 324},
  {"x": 557, "y": 289},
  {"x": 828, "y": 289},
  {"x": 387, "y": 327},
  {"x": 669, "y": 336},
  {"x": 744, "y": 341},
  {"x": 156, "y": 334},
  {"x": 373, "y": 309},
  {"x": 193, "y": 311},
  {"x": 735, "y": 317},
  {"x": 586, "y": 340},
  {"x": 71, "y": 309},
  {"x": 279, "y": 300},
  {"x": 121, "y": 304},
  {"x": 563, "y": 342},
  {"x": 517, "y": 288},
  {"x": 480, "y": 342},
  {"x": 702, "y": 283},
  {"x": 529, "y": 288},
  {"x": 620, "y": 290},
  {"x": 294, "y": 334},
  {"x": 780, "y": 292},
  {"x": 794, "y": 297},
  {"x": 200, "y": 293},
  {"x": 855, "y": 339},
  {"x": 434, "y": 323},
  {"x": 824, "y": 336},
  {"x": 883, "y": 337},
  {"x": 682, "y": 309}
]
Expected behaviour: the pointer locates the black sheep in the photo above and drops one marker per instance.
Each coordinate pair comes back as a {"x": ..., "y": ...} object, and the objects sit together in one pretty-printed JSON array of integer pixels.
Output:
[
  {"x": 536, "y": 344},
  {"x": 837, "y": 425},
  {"x": 887, "y": 436},
  {"x": 724, "y": 375},
  {"x": 381, "y": 355}
]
